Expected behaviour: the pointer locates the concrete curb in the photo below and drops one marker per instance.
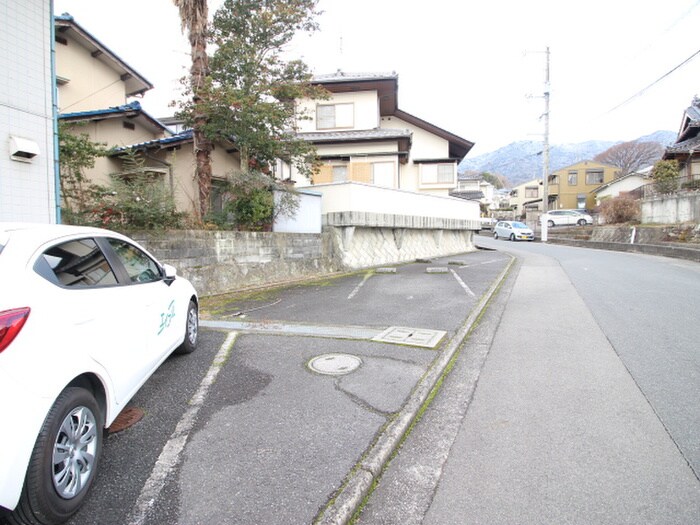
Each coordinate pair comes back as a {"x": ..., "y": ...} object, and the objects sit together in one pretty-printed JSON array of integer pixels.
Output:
[
  {"x": 359, "y": 483},
  {"x": 675, "y": 251}
]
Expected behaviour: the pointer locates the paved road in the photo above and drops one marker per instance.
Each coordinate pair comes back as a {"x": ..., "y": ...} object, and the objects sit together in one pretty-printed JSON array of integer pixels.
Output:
[{"x": 553, "y": 413}]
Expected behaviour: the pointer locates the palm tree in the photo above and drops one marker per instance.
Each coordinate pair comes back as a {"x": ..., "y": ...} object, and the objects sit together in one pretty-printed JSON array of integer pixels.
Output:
[{"x": 194, "y": 15}]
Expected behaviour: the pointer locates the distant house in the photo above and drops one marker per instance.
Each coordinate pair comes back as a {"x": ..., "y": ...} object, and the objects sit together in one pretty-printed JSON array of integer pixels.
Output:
[
  {"x": 627, "y": 185},
  {"x": 474, "y": 187},
  {"x": 361, "y": 135},
  {"x": 571, "y": 187},
  {"x": 526, "y": 196},
  {"x": 686, "y": 149},
  {"x": 95, "y": 87},
  {"x": 28, "y": 184}
]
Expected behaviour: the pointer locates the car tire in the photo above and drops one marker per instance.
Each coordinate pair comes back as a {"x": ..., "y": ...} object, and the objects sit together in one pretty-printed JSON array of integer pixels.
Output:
[
  {"x": 64, "y": 462},
  {"x": 495, "y": 235},
  {"x": 191, "y": 330},
  {"x": 550, "y": 224},
  {"x": 582, "y": 222},
  {"x": 512, "y": 236}
]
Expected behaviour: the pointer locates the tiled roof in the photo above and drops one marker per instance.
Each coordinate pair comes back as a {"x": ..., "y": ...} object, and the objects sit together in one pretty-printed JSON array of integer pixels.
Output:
[
  {"x": 131, "y": 109},
  {"x": 468, "y": 195},
  {"x": 686, "y": 146},
  {"x": 356, "y": 135},
  {"x": 179, "y": 138},
  {"x": 340, "y": 76}
]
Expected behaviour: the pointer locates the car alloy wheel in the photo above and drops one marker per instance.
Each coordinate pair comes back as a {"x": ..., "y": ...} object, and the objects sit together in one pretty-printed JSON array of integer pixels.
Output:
[
  {"x": 64, "y": 461},
  {"x": 74, "y": 452},
  {"x": 191, "y": 330}
]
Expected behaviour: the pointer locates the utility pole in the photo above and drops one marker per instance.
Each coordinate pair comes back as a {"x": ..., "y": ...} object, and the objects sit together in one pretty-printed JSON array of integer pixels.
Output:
[{"x": 545, "y": 149}]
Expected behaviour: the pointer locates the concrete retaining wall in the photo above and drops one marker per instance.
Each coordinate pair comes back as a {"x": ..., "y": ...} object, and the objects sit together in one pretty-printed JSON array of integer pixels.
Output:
[
  {"x": 223, "y": 261},
  {"x": 671, "y": 209},
  {"x": 363, "y": 239}
]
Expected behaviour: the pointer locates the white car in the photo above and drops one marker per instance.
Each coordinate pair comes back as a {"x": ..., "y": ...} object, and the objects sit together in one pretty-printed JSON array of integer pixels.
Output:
[
  {"x": 86, "y": 316},
  {"x": 513, "y": 230},
  {"x": 566, "y": 217}
]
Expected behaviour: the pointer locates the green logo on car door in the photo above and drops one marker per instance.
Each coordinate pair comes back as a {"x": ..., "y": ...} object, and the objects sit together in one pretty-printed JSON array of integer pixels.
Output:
[{"x": 167, "y": 317}]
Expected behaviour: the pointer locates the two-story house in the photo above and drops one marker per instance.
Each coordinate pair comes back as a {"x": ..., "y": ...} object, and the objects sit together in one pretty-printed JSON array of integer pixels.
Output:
[
  {"x": 361, "y": 135},
  {"x": 571, "y": 187},
  {"x": 474, "y": 187},
  {"x": 526, "y": 196},
  {"x": 96, "y": 91}
]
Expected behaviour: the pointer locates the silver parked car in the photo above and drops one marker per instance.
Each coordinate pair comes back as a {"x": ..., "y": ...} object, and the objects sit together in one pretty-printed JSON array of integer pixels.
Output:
[
  {"x": 566, "y": 217},
  {"x": 513, "y": 230}
]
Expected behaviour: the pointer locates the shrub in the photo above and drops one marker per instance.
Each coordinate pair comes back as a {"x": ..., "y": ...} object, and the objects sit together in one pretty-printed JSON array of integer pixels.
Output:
[
  {"x": 665, "y": 174},
  {"x": 620, "y": 210}
]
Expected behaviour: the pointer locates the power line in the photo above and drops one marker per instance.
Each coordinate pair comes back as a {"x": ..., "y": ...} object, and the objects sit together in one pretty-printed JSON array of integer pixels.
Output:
[{"x": 655, "y": 82}]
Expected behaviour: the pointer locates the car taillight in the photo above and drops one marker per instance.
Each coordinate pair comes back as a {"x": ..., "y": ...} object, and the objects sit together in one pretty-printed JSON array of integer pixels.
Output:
[{"x": 11, "y": 322}]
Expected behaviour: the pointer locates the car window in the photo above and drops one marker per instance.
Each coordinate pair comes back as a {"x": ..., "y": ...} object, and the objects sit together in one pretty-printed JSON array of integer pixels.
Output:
[
  {"x": 77, "y": 263},
  {"x": 139, "y": 266}
]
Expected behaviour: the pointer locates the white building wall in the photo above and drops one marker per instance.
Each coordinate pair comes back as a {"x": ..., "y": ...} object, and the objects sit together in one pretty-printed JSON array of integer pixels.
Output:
[
  {"x": 424, "y": 145},
  {"x": 27, "y": 189},
  {"x": 365, "y": 110}
]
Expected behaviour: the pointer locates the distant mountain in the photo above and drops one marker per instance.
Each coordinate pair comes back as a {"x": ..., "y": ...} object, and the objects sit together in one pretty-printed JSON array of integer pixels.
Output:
[{"x": 522, "y": 161}]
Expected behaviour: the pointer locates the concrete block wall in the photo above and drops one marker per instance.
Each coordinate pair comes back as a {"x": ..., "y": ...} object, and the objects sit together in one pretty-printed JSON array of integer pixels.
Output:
[
  {"x": 224, "y": 261},
  {"x": 672, "y": 209}
]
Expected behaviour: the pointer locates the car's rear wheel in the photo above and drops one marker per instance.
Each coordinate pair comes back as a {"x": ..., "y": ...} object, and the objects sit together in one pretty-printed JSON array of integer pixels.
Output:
[
  {"x": 64, "y": 461},
  {"x": 191, "y": 330},
  {"x": 550, "y": 223},
  {"x": 582, "y": 222}
]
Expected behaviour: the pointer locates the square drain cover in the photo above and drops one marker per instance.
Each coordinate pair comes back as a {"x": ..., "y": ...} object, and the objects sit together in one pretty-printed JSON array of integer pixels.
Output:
[{"x": 401, "y": 335}]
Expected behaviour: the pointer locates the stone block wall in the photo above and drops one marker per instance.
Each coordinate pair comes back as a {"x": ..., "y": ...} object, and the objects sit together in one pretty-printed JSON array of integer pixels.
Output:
[{"x": 223, "y": 261}]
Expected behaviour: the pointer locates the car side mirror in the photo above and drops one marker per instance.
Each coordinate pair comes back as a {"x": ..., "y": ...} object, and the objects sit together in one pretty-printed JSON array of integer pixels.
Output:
[{"x": 170, "y": 274}]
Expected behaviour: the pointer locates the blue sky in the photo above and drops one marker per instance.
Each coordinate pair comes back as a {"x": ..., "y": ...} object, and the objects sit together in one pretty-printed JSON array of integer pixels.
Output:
[{"x": 476, "y": 69}]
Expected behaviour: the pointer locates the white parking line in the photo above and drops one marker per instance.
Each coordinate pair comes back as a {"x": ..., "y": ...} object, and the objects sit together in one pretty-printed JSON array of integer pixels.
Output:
[
  {"x": 357, "y": 288},
  {"x": 170, "y": 454},
  {"x": 483, "y": 262},
  {"x": 462, "y": 283}
]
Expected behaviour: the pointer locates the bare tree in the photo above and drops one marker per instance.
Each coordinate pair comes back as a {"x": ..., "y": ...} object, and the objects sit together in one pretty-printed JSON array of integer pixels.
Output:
[
  {"x": 194, "y": 15},
  {"x": 631, "y": 156}
]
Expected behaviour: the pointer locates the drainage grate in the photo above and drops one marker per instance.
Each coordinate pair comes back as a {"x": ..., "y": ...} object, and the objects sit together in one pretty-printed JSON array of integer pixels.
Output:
[
  {"x": 410, "y": 336},
  {"x": 335, "y": 364}
]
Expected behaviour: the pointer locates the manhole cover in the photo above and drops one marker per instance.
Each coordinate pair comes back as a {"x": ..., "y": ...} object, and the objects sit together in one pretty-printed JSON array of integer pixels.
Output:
[
  {"x": 335, "y": 364},
  {"x": 126, "y": 419}
]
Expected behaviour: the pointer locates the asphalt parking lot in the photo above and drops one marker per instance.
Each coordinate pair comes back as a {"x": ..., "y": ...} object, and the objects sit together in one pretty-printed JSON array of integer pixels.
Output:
[{"x": 293, "y": 398}]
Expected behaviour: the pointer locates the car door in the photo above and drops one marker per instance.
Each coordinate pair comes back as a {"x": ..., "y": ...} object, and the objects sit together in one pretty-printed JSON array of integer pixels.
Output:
[
  {"x": 91, "y": 306},
  {"x": 152, "y": 303}
]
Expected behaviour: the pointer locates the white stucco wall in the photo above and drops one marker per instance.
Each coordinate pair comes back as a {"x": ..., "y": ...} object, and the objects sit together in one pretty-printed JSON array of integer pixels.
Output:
[
  {"x": 424, "y": 146},
  {"x": 365, "y": 198},
  {"x": 27, "y": 189},
  {"x": 306, "y": 219},
  {"x": 101, "y": 88},
  {"x": 365, "y": 111},
  {"x": 627, "y": 184}
]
